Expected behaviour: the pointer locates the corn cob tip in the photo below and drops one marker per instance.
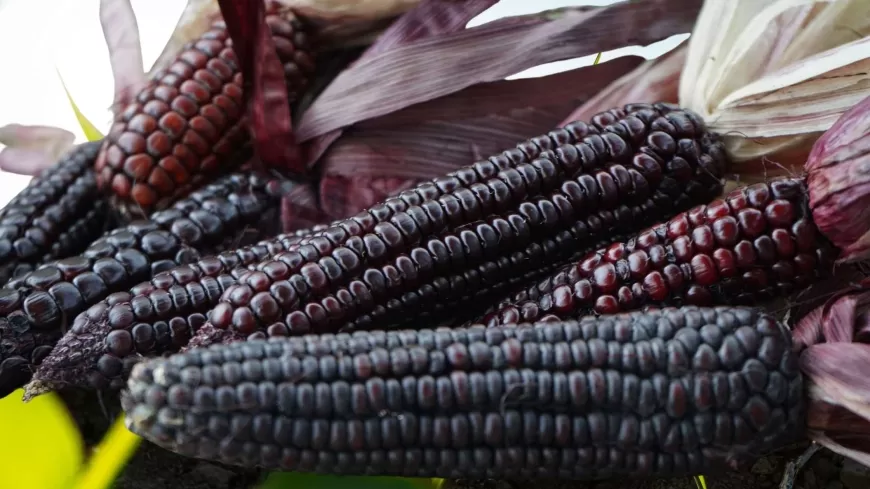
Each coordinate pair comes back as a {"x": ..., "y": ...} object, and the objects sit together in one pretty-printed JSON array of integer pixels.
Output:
[
  {"x": 69, "y": 363},
  {"x": 35, "y": 308},
  {"x": 36, "y": 388}
]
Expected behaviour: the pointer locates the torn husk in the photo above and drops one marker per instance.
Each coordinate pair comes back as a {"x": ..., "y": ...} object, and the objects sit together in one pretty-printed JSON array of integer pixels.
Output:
[
  {"x": 773, "y": 76},
  {"x": 834, "y": 351}
]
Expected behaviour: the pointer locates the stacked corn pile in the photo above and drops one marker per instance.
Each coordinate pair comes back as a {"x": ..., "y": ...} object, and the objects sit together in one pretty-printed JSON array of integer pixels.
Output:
[{"x": 585, "y": 304}]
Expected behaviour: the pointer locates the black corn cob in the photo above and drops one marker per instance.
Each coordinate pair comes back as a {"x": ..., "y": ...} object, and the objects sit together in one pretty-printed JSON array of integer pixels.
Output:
[
  {"x": 602, "y": 186},
  {"x": 756, "y": 244},
  {"x": 35, "y": 308},
  {"x": 673, "y": 392},
  {"x": 154, "y": 317},
  {"x": 57, "y": 215}
]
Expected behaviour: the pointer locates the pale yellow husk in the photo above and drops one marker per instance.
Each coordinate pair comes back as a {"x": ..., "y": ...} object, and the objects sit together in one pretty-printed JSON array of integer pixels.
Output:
[{"x": 772, "y": 75}]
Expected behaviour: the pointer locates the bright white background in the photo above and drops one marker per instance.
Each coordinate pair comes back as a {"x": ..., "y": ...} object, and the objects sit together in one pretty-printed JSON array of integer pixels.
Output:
[{"x": 40, "y": 37}]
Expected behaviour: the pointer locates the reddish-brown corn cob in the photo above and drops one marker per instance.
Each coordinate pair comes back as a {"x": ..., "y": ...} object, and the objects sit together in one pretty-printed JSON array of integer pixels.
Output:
[
  {"x": 618, "y": 180},
  {"x": 57, "y": 215},
  {"x": 154, "y": 317},
  {"x": 187, "y": 124},
  {"x": 756, "y": 244},
  {"x": 35, "y": 308},
  {"x": 668, "y": 393}
]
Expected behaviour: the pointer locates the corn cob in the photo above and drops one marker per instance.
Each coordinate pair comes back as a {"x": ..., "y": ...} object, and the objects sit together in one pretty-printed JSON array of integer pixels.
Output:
[
  {"x": 516, "y": 168},
  {"x": 185, "y": 126},
  {"x": 57, "y": 215},
  {"x": 154, "y": 317},
  {"x": 35, "y": 308},
  {"x": 670, "y": 392},
  {"x": 324, "y": 286},
  {"x": 756, "y": 244}
]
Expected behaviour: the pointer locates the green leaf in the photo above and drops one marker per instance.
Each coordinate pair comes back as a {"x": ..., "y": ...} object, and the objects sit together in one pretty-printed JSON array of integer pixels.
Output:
[
  {"x": 91, "y": 131},
  {"x": 42, "y": 447},
  {"x": 700, "y": 482},
  {"x": 109, "y": 457},
  {"x": 292, "y": 480}
]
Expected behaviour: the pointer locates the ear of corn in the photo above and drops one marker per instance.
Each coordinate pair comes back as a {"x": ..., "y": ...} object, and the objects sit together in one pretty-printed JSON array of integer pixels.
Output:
[
  {"x": 152, "y": 318},
  {"x": 188, "y": 123},
  {"x": 36, "y": 307},
  {"x": 57, "y": 215},
  {"x": 572, "y": 188},
  {"x": 756, "y": 244},
  {"x": 670, "y": 392}
]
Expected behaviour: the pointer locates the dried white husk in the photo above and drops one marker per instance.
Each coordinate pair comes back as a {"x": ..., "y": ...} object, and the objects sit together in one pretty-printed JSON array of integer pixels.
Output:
[{"x": 772, "y": 76}]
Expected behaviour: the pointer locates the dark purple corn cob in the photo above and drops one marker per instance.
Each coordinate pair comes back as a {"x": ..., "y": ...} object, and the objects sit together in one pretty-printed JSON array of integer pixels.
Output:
[
  {"x": 154, "y": 317},
  {"x": 516, "y": 168},
  {"x": 756, "y": 244},
  {"x": 405, "y": 299},
  {"x": 57, "y": 215},
  {"x": 36, "y": 308},
  {"x": 565, "y": 200},
  {"x": 674, "y": 392},
  {"x": 188, "y": 124}
]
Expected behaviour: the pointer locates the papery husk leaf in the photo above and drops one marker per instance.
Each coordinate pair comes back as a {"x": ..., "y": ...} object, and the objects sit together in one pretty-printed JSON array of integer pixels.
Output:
[
  {"x": 31, "y": 149},
  {"x": 839, "y": 183},
  {"x": 23, "y": 161},
  {"x": 300, "y": 209},
  {"x": 266, "y": 98},
  {"x": 504, "y": 96},
  {"x": 840, "y": 446},
  {"x": 50, "y": 139},
  {"x": 819, "y": 90},
  {"x": 381, "y": 156},
  {"x": 837, "y": 428},
  {"x": 346, "y": 195},
  {"x": 121, "y": 32},
  {"x": 773, "y": 75},
  {"x": 432, "y": 148},
  {"x": 655, "y": 80},
  {"x": 834, "y": 363},
  {"x": 838, "y": 375},
  {"x": 340, "y": 22},
  {"x": 441, "y": 65},
  {"x": 428, "y": 19}
]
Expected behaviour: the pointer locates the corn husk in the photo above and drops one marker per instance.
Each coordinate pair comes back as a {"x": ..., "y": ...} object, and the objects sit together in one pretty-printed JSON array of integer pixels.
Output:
[
  {"x": 772, "y": 76},
  {"x": 839, "y": 183},
  {"x": 834, "y": 345},
  {"x": 30, "y": 149}
]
